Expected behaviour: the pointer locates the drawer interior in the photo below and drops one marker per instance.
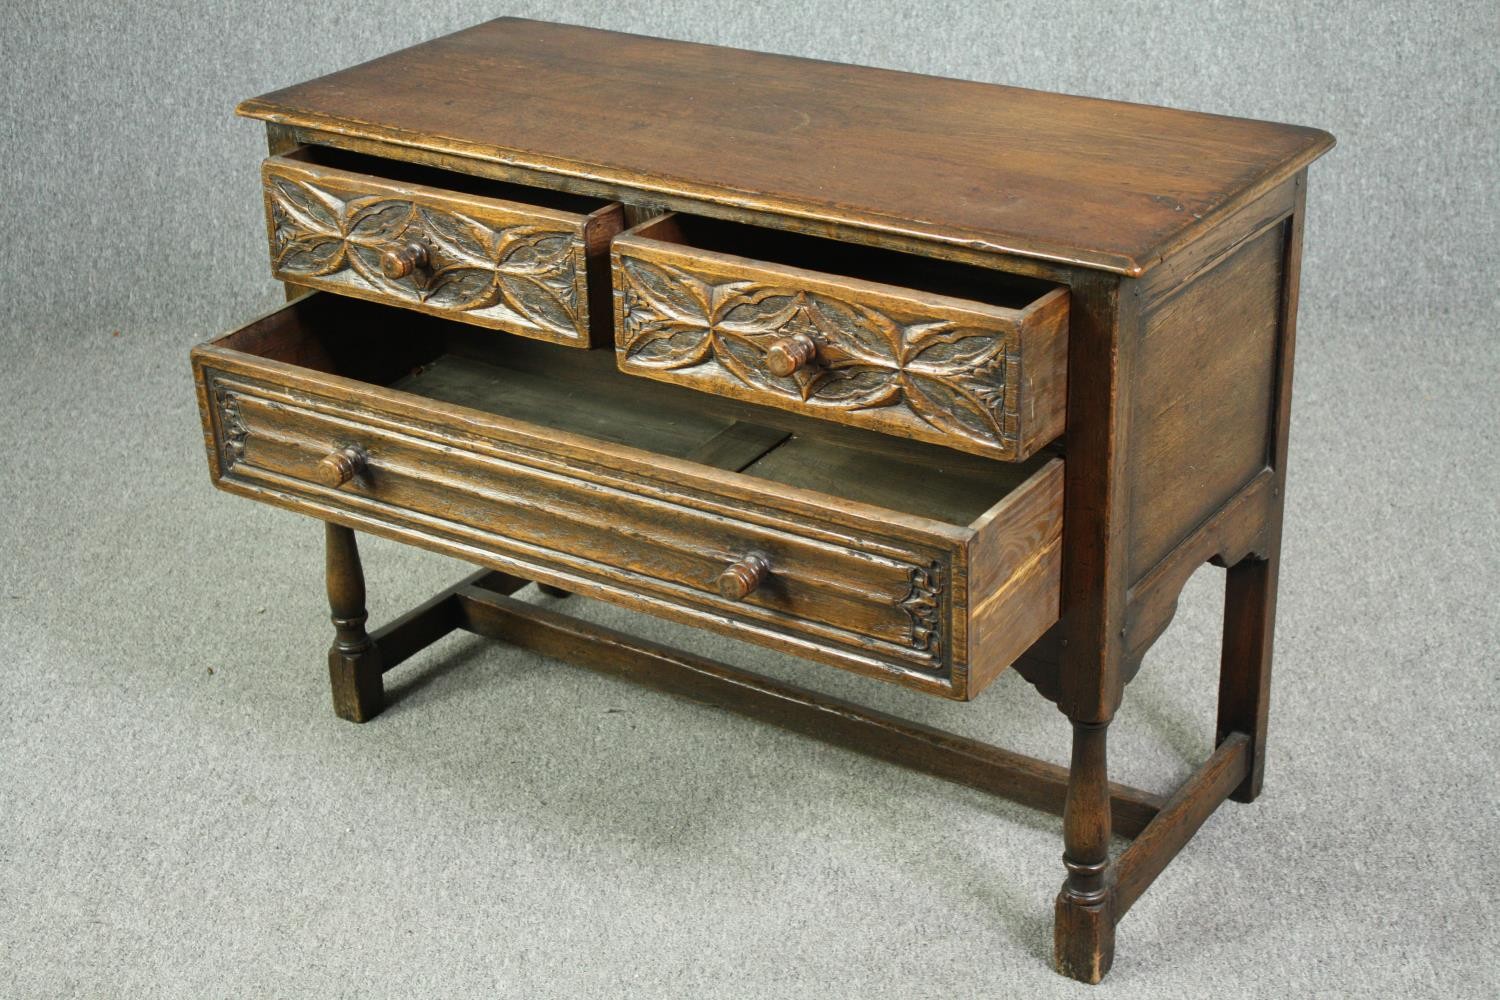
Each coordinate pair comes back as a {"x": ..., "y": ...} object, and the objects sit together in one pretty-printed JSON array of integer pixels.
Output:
[
  {"x": 403, "y": 172},
  {"x": 849, "y": 260},
  {"x": 582, "y": 392}
]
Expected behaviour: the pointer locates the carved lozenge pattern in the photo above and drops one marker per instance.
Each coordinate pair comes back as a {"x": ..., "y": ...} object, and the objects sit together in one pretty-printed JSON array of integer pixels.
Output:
[
  {"x": 951, "y": 377},
  {"x": 521, "y": 276}
]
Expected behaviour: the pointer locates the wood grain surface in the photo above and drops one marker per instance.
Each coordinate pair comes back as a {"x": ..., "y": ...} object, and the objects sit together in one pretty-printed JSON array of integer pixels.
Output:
[{"x": 1070, "y": 179}]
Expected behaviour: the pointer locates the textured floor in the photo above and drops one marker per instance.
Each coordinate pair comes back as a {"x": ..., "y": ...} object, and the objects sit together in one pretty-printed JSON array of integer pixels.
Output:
[{"x": 181, "y": 815}]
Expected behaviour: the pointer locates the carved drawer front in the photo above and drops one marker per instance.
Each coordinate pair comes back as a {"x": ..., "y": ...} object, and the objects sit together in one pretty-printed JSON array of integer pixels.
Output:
[
  {"x": 526, "y": 261},
  {"x": 404, "y": 449},
  {"x": 922, "y": 349}
]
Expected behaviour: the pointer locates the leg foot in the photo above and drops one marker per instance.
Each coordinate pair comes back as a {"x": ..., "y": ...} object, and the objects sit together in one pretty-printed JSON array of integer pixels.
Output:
[
  {"x": 354, "y": 666},
  {"x": 1083, "y": 942}
]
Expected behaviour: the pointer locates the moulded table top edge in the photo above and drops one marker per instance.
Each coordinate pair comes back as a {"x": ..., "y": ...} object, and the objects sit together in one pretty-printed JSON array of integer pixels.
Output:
[{"x": 1082, "y": 181}]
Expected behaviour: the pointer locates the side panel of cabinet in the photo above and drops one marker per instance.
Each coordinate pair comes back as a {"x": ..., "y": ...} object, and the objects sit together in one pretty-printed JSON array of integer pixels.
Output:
[{"x": 1202, "y": 415}]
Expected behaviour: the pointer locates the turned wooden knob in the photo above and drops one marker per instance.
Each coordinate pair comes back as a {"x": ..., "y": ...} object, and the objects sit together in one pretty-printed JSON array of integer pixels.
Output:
[
  {"x": 743, "y": 576},
  {"x": 786, "y": 355},
  {"x": 398, "y": 262},
  {"x": 342, "y": 466}
]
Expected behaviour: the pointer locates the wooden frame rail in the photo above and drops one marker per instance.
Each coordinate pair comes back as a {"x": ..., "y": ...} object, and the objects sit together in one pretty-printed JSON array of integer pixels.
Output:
[{"x": 1160, "y": 827}]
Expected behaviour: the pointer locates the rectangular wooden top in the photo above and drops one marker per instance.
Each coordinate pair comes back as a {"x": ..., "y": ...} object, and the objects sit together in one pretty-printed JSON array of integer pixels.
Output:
[{"x": 1103, "y": 184}]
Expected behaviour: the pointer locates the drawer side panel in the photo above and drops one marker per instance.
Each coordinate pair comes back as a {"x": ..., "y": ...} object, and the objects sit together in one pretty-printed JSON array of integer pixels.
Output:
[{"x": 1015, "y": 575}]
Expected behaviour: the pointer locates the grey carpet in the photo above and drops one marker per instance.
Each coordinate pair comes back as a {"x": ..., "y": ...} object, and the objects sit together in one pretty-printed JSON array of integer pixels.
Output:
[{"x": 181, "y": 815}]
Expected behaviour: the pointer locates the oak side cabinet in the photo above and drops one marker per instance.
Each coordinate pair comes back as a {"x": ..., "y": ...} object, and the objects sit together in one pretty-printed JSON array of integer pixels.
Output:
[{"x": 914, "y": 377}]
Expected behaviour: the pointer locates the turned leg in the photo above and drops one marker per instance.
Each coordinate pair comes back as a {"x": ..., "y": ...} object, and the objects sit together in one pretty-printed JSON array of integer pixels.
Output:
[
  {"x": 354, "y": 660},
  {"x": 1245, "y": 667},
  {"x": 1084, "y": 933}
]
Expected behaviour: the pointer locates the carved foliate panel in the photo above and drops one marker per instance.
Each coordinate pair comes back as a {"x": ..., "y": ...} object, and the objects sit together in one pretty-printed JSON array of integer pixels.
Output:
[
  {"x": 232, "y": 431},
  {"x": 524, "y": 277},
  {"x": 950, "y": 379},
  {"x": 923, "y": 605}
]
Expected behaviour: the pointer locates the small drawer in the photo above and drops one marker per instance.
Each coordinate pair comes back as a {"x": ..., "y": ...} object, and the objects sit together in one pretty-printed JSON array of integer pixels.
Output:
[
  {"x": 965, "y": 357},
  {"x": 892, "y": 558},
  {"x": 524, "y": 260}
]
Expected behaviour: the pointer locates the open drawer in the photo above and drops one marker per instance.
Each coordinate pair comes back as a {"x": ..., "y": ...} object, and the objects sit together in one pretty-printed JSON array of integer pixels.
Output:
[
  {"x": 524, "y": 260},
  {"x": 891, "y": 558},
  {"x": 928, "y": 349}
]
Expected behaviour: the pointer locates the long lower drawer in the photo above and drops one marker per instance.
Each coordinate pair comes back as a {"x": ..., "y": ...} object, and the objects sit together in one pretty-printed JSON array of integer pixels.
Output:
[{"x": 553, "y": 465}]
